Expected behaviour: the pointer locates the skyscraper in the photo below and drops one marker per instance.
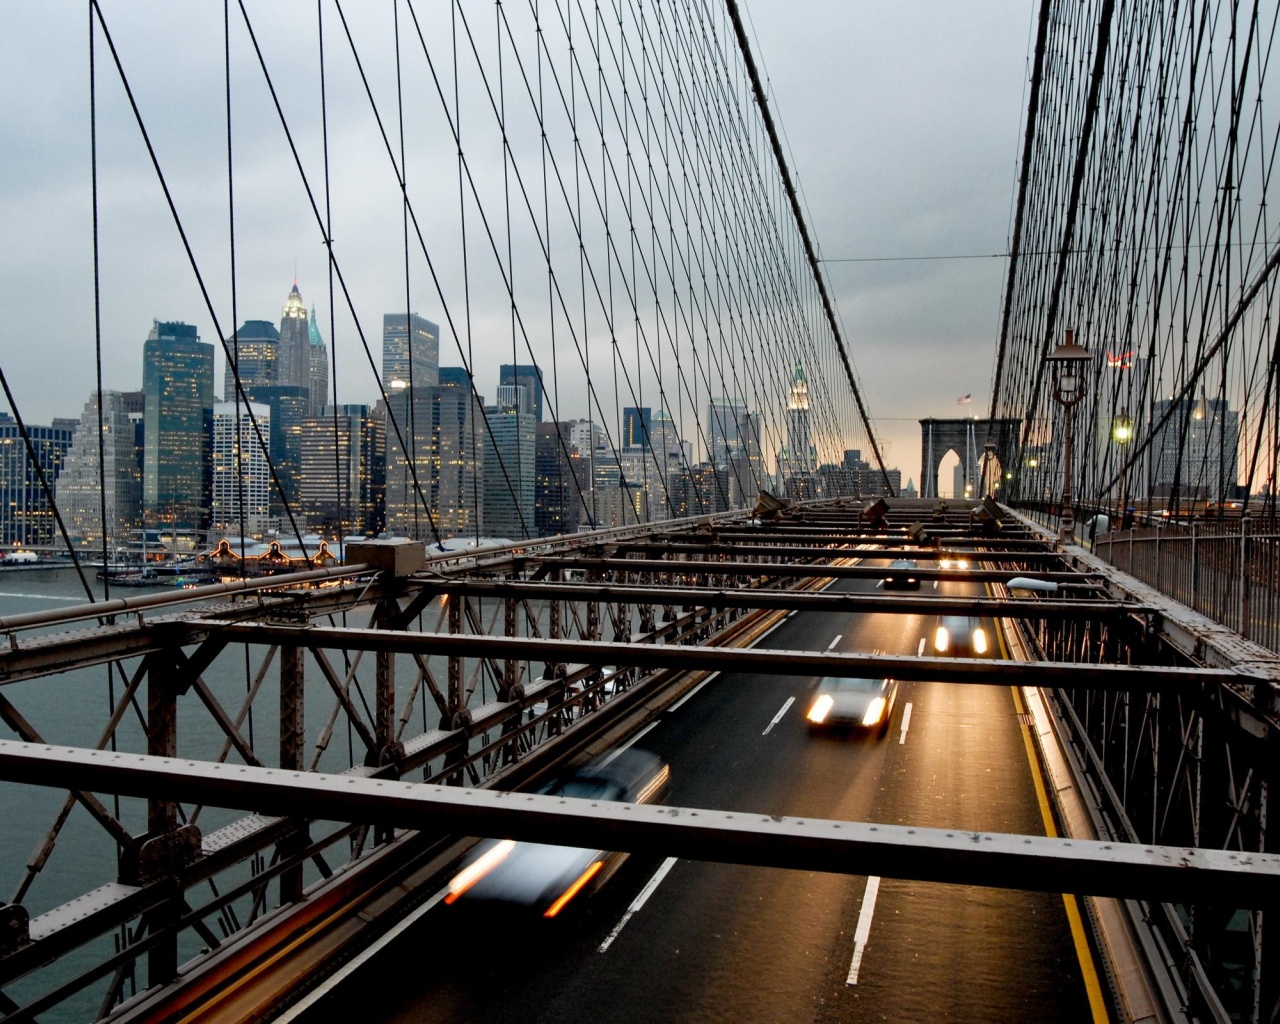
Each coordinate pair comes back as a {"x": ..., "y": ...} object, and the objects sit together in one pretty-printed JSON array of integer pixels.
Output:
[
  {"x": 287, "y": 405},
  {"x": 26, "y": 516},
  {"x": 801, "y": 457},
  {"x": 531, "y": 377},
  {"x": 295, "y": 342},
  {"x": 409, "y": 362},
  {"x": 442, "y": 449},
  {"x": 177, "y": 382},
  {"x": 1196, "y": 452},
  {"x": 562, "y": 479},
  {"x": 455, "y": 377},
  {"x": 318, "y": 375},
  {"x": 241, "y": 490},
  {"x": 343, "y": 479},
  {"x": 255, "y": 350},
  {"x": 102, "y": 465},
  {"x": 510, "y": 468},
  {"x": 635, "y": 427}
]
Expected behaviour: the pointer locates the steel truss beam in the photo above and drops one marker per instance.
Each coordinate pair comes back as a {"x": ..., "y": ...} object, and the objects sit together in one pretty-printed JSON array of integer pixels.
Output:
[
  {"x": 787, "y": 600},
  {"x": 989, "y": 859},
  {"x": 790, "y": 569},
  {"x": 1147, "y": 678}
]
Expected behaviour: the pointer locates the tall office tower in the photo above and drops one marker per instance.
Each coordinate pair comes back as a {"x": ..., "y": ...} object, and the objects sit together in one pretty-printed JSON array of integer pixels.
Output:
[
  {"x": 241, "y": 478},
  {"x": 1196, "y": 453},
  {"x": 801, "y": 457},
  {"x": 295, "y": 343},
  {"x": 342, "y": 484},
  {"x": 517, "y": 396},
  {"x": 586, "y": 437},
  {"x": 134, "y": 404},
  {"x": 409, "y": 361},
  {"x": 510, "y": 467},
  {"x": 561, "y": 482},
  {"x": 528, "y": 375},
  {"x": 444, "y": 451},
  {"x": 726, "y": 420},
  {"x": 288, "y": 406},
  {"x": 255, "y": 350},
  {"x": 94, "y": 471},
  {"x": 636, "y": 424},
  {"x": 177, "y": 382},
  {"x": 25, "y": 514},
  {"x": 455, "y": 377},
  {"x": 318, "y": 373},
  {"x": 663, "y": 461},
  {"x": 709, "y": 486}
]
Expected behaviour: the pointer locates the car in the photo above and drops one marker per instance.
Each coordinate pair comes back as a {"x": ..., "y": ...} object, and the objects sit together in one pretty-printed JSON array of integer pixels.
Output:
[
  {"x": 961, "y": 636},
  {"x": 902, "y": 575},
  {"x": 546, "y": 878},
  {"x": 953, "y": 562},
  {"x": 857, "y": 703}
]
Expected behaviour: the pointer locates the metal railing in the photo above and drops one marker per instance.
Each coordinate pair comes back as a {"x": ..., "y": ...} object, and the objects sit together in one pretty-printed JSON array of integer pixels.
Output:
[{"x": 1225, "y": 569}]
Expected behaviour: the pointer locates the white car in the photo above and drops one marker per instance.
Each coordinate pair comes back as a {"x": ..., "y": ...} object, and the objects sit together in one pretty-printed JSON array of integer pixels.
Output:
[
  {"x": 852, "y": 704},
  {"x": 547, "y": 877}
]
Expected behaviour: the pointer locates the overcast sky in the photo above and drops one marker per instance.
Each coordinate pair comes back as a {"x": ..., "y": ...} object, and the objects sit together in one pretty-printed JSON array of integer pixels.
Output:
[{"x": 903, "y": 124}]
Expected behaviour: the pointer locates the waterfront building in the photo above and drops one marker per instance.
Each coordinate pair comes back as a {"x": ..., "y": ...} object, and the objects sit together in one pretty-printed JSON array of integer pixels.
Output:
[
  {"x": 288, "y": 405},
  {"x": 342, "y": 480},
  {"x": 26, "y": 516},
  {"x": 254, "y": 350},
  {"x": 102, "y": 469},
  {"x": 510, "y": 468},
  {"x": 177, "y": 383},
  {"x": 435, "y": 445},
  {"x": 562, "y": 481},
  {"x": 241, "y": 486},
  {"x": 530, "y": 377}
]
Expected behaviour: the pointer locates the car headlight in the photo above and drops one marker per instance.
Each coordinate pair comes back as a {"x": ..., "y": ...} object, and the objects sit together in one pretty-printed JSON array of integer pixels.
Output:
[
  {"x": 941, "y": 639},
  {"x": 980, "y": 641},
  {"x": 874, "y": 710},
  {"x": 820, "y": 709},
  {"x": 478, "y": 868}
]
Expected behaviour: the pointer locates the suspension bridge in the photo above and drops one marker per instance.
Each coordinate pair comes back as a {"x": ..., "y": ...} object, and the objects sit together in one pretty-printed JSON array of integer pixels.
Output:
[{"x": 578, "y": 419}]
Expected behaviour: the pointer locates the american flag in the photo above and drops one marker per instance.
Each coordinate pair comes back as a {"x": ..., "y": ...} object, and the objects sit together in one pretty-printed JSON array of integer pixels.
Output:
[{"x": 964, "y": 399}]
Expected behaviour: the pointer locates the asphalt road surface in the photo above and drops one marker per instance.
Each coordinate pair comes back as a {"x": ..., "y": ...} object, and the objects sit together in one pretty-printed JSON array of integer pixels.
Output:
[{"x": 675, "y": 941}]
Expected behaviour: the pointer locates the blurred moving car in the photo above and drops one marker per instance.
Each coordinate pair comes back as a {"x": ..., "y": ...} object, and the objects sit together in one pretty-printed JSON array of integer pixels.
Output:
[
  {"x": 902, "y": 575},
  {"x": 953, "y": 562},
  {"x": 961, "y": 636},
  {"x": 548, "y": 877},
  {"x": 852, "y": 704}
]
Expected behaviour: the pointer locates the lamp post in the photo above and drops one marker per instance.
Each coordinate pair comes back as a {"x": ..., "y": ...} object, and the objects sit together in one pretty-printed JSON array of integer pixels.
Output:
[
  {"x": 1068, "y": 361},
  {"x": 1122, "y": 434}
]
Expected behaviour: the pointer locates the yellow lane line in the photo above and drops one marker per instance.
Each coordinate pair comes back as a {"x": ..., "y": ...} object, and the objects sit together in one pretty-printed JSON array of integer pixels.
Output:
[{"x": 1084, "y": 952}]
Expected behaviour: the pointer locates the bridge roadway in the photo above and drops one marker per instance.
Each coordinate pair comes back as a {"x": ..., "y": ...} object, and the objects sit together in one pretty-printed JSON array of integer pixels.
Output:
[{"x": 718, "y": 942}]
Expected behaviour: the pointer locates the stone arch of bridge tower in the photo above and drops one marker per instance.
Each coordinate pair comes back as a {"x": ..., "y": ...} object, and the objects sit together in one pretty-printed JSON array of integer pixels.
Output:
[{"x": 968, "y": 439}]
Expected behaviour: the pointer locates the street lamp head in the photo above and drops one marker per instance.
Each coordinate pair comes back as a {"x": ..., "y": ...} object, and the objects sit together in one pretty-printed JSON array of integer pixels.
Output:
[
  {"x": 1122, "y": 428},
  {"x": 1069, "y": 361}
]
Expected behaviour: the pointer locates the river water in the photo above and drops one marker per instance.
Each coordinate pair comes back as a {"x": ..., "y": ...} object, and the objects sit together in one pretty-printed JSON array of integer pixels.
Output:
[{"x": 72, "y": 708}]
